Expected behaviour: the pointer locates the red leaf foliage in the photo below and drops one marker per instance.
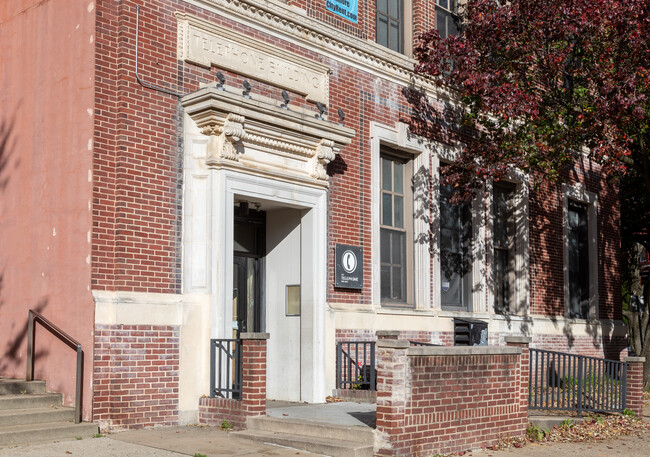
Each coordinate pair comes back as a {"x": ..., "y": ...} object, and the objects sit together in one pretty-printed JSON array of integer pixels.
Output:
[{"x": 537, "y": 83}]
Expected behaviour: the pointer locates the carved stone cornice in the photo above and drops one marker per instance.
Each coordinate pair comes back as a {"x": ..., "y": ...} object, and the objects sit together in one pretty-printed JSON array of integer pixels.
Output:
[
  {"x": 277, "y": 18},
  {"x": 260, "y": 137}
]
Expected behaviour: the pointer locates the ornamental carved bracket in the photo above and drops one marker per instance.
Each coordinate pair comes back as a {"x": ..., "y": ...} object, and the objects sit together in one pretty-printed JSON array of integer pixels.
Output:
[
  {"x": 225, "y": 141},
  {"x": 323, "y": 155},
  {"x": 257, "y": 136}
]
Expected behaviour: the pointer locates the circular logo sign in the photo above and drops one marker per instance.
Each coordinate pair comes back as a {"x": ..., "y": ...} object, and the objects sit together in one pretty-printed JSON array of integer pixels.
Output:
[{"x": 349, "y": 261}]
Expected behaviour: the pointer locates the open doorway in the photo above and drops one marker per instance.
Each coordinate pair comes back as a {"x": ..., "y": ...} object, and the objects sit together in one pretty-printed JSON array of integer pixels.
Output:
[{"x": 249, "y": 241}]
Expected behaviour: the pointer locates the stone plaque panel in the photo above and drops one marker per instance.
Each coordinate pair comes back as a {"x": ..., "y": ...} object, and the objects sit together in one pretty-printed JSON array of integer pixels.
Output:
[{"x": 203, "y": 43}]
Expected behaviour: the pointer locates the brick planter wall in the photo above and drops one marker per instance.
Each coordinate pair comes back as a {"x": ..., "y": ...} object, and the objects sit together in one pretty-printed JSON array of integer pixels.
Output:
[
  {"x": 135, "y": 376},
  {"x": 447, "y": 399},
  {"x": 634, "y": 397},
  {"x": 213, "y": 411}
]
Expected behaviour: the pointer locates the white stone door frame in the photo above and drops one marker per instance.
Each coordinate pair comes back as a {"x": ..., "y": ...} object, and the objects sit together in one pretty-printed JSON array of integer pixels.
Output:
[{"x": 226, "y": 184}]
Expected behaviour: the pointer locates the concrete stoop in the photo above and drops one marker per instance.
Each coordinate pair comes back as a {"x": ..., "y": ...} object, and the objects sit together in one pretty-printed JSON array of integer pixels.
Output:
[
  {"x": 316, "y": 437},
  {"x": 29, "y": 414}
]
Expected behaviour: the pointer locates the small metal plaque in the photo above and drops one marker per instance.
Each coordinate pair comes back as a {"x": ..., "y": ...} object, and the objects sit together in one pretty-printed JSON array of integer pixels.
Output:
[
  {"x": 349, "y": 267},
  {"x": 293, "y": 300}
]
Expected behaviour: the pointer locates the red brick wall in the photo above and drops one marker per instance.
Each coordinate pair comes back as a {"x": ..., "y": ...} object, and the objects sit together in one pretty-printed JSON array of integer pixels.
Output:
[
  {"x": 547, "y": 245},
  {"x": 431, "y": 404},
  {"x": 634, "y": 398},
  {"x": 213, "y": 411},
  {"x": 135, "y": 376},
  {"x": 137, "y": 172},
  {"x": 422, "y": 18}
]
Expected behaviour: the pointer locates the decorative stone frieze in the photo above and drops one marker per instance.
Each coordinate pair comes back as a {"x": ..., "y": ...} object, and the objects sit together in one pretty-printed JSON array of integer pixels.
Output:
[
  {"x": 259, "y": 137},
  {"x": 275, "y": 17}
]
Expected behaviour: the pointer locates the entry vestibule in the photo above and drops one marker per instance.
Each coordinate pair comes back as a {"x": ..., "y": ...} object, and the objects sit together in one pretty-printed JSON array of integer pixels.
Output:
[
  {"x": 255, "y": 229},
  {"x": 294, "y": 254},
  {"x": 266, "y": 271}
]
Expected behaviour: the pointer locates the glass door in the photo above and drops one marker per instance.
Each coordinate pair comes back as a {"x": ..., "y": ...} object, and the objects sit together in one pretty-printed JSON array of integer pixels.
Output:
[{"x": 246, "y": 295}]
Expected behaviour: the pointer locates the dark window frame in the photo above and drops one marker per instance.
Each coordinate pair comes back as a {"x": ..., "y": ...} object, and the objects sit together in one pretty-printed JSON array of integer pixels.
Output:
[
  {"x": 504, "y": 247},
  {"x": 447, "y": 17},
  {"x": 384, "y": 20},
  {"x": 578, "y": 257},
  {"x": 459, "y": 259}
]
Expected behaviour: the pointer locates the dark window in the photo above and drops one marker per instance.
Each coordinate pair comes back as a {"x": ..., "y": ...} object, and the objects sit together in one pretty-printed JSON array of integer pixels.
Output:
[
  {"x": 578, "y": 260},
  {"x": 390, "y": 24},
  {"x": 455, "y": 252},
  {"x": 446, "y": 15},
  {"x": 394, "y": 230},
  {"x": 503, "y": 231}
]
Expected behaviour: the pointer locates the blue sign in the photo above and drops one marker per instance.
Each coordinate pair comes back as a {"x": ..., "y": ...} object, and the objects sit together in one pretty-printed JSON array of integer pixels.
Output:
[{"x": 344, "y": 8}]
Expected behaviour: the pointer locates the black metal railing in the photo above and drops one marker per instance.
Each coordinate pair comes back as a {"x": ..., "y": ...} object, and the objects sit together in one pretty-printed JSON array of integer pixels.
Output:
[
  {"x": 226, "y": 368},
  {"x": 34, "y": 317},
  {"x": 569, "y": 382},
  {"x": 355, "y": 365}
]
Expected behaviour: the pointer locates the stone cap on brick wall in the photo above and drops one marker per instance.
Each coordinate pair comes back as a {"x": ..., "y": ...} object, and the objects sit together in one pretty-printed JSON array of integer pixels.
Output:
[
  {"x": 254, "y": 336},
  {"x": 634, "y": 359},
  {"x": 387, "y": 333},
  {"x": 462, "y": 350},
  {"x": 395, "y": 344},
  {"x": 518, "y": 339}
]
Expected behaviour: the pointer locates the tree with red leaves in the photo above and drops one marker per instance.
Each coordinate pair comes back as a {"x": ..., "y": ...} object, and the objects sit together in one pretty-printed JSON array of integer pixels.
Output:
[{"x": 540, "y": 85}]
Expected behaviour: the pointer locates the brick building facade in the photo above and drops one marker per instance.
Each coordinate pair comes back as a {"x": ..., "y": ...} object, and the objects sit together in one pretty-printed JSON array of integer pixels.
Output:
[{"x": 207, "y": 211}]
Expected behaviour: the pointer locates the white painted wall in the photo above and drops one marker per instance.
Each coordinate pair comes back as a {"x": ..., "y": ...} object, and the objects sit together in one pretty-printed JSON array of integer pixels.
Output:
[{"x": 282, "y": 269}]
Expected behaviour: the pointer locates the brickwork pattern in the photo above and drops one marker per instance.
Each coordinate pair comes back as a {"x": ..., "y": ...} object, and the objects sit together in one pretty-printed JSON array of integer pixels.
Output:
[
  {"x": 213, "y": 411},
  {"x": 634, "y": 398},
  {"x": 441, "y": 404},
  {"x": 135, "y": 376},
  {"x": 137, "y": 171},
  {"x": 547, "y": 246}
]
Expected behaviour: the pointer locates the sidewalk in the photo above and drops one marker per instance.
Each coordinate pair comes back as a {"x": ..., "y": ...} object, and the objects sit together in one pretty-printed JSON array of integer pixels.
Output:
[
  {"x": 161, "y": 442},
  {"x": 214, "y": 442}
]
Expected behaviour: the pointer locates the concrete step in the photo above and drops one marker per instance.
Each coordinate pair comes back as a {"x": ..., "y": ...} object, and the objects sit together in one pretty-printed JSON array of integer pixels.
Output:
[
  {"x": 318, "y": 445},
  {"x": 356, "y": 434},
  {"x": 20, "y": 386},
  {"x": 36, "y": 415},
  {"x": 21, "y": 401},
  {"x": 47, "y": 431}
]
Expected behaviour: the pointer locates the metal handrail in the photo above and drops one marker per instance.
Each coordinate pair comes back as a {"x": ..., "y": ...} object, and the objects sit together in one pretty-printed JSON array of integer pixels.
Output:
[{"x": 74, "y": 344}]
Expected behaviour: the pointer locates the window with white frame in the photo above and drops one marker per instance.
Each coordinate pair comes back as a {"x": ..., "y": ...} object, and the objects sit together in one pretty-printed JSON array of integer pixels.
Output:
[
  {"x": 401, "y": 270},
  {"x": 396, "y": 232},
  {"x": 580, "y": 252},
  {"x": 456, "y": 259}
]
